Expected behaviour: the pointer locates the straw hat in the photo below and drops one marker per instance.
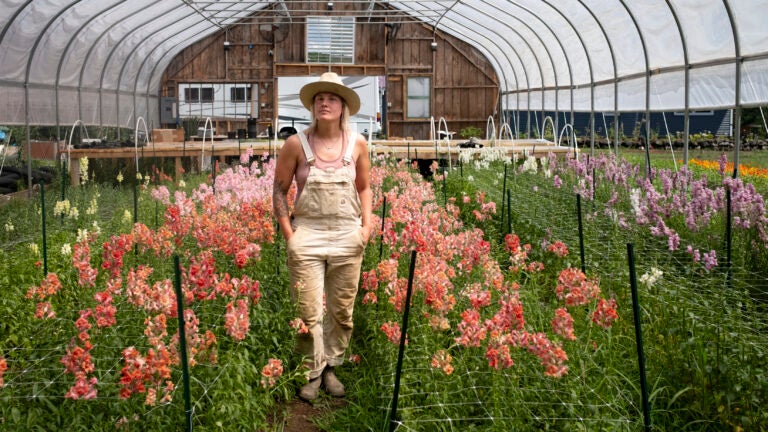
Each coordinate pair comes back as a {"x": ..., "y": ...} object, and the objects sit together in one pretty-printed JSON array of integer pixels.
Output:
[{"x": 329, "y": 82}]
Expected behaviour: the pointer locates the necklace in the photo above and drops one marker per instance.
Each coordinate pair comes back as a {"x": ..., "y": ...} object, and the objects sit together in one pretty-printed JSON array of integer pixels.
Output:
[{"x": 325, "y": 144}]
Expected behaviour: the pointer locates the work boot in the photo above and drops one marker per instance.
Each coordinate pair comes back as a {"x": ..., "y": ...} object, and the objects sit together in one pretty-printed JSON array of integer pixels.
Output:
[
  {"x": 332, "y": 385},
  {"x": 308, "y": 391}
]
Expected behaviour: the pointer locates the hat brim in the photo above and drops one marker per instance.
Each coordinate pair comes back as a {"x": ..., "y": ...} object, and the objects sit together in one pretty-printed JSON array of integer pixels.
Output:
[{"x": 308, "y": 92}]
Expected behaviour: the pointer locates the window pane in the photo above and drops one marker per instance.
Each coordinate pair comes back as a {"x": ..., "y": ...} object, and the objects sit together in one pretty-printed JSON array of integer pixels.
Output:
[
  {"x": 206, "y": 94},
  {"x": 418, "y": 86},
  {"x": 418, "y": 108}
]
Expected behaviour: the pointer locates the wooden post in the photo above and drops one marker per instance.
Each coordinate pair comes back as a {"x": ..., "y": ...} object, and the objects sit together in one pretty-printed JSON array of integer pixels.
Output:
[
  {"x": 179, "y": 168},
  {"x": 74, "y": 171}
]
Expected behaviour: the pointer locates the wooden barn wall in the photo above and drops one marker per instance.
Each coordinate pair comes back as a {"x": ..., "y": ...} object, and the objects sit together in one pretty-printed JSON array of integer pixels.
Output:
[{"x": 464, "y": 85}]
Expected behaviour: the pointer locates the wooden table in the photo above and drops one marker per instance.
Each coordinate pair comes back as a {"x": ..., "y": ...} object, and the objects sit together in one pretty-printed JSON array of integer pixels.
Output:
[
  {"x": 400, "y": 149},
  {"x": 426, "y": 149},
  {"x": 177, "y": 150}
]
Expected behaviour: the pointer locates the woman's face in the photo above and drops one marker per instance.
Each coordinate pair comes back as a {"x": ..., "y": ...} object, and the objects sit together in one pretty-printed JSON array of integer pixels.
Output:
[{"x": 328, "y": 106}]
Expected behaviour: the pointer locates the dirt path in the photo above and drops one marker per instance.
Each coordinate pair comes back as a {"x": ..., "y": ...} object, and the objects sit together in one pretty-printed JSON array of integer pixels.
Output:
[{"x": 297, "y": 415}]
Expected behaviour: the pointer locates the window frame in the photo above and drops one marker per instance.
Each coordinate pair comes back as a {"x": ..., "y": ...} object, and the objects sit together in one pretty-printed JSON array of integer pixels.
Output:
[
  {"x": 207, "y": 94},
  {"x": 192, "y": 94},
  {"x": 246, "y": 94},
  {"x": 336, "y": 28}
]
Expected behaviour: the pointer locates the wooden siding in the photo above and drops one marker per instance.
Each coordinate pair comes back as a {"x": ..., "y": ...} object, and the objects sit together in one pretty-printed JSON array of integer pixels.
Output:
[{"x": 464, "y": 86}]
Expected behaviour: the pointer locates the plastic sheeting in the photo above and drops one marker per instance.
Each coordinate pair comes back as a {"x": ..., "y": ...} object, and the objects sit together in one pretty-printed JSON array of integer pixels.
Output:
[{"x": 101, "y": 61}]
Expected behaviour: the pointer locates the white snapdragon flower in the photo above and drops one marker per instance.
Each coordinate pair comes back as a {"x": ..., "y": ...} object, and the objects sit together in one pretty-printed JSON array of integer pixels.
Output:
[
  {"x": 544, "y": 163},
  {"x": 613, "y": 215},
  {"x": 82, "y": 234},
  {"x": 94, "y": 205},
  {"x": 530, "y": 165},
  {"x": 545, "y": 167},
  {"x": 651, "y": 277},
  {"x": 61, "y": 208},
  {"x": 9, "y": 226},
  {"x": 84, "y": 170},
  {"x": 66, "y": 249}
]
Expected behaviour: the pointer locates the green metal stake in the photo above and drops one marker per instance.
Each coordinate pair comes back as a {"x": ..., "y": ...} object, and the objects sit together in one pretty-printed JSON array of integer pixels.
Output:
[
  {"x": 581, "y": 233},
  {"x": 728, "y": 244},
  {"x": 182, "y": 343},
  {"x": 135, "y": 199},
  {"x": 63, "y": 179},
  {"x": 213, "y": 168},
  {"x": 383, "y": 215},
  {"x": 45, "y": 243},
  {"x": 509, "y": 211},
  {"x": 639, "y": 337},
  {"x": 403, "y": 333}
]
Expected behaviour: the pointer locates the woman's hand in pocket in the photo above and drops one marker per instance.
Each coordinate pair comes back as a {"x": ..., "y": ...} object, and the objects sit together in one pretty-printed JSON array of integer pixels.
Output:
[{"x": 365, "y": 233}]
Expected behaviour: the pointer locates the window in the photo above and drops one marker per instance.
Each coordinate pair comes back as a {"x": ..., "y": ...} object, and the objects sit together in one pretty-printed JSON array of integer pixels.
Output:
[
  {"x": 195, "y": 94},
  {"x": 331, "y": 40},
  {"x": 418, "y": 97},
  {"x": 240, "y": 94},
  {"x": 216, "y": 100},
  {"x": 192, "y": 94}
]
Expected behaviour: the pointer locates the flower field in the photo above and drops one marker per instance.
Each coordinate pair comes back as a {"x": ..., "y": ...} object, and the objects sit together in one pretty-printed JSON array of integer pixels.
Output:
[{"x": 549, "y": 294}]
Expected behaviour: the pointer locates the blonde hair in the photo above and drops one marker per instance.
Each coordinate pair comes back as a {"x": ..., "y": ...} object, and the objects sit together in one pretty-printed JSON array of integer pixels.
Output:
[{"x": 343, "y": 120}]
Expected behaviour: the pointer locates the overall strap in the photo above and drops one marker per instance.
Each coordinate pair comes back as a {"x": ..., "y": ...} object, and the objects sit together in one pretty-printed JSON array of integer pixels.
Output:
[
  {"x": 351, "y": 141},
  {"x": 307, "y": 150}
]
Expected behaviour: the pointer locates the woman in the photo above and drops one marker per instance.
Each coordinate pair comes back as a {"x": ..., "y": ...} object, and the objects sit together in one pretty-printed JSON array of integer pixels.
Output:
[{"x": 329, "y": 228}]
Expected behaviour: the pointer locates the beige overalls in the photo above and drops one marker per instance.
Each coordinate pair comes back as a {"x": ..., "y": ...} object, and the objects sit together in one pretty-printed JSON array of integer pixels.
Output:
[{"x": 324, "y": 256}]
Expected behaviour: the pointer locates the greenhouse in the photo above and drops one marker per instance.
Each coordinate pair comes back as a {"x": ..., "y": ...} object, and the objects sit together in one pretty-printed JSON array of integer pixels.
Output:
[{"x": 568, "y": 227}]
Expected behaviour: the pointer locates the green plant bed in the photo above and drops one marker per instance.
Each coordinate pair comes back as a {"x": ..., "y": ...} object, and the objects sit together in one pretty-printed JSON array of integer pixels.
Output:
[{"x": 702, "y": 327}]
